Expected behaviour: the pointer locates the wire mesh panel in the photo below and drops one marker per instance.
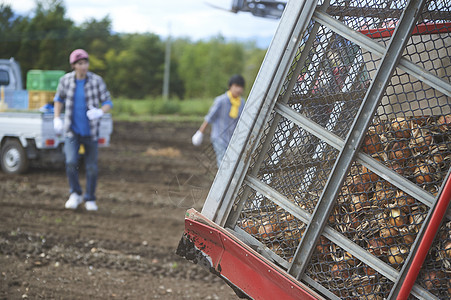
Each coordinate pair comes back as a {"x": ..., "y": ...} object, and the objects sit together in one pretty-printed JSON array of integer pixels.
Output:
[{"x": 387, "y": 182}]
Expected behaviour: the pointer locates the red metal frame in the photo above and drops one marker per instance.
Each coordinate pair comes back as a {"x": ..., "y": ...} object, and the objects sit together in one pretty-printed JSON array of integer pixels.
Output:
[
  {"x": 240, "y": 265},
  {"x": 426, "y": 241},
  {"x": 420, "y": 29}
]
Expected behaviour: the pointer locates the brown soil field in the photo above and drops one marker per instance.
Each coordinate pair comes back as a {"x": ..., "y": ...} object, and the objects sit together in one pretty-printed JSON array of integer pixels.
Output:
[{"x": 148, "y": 177}]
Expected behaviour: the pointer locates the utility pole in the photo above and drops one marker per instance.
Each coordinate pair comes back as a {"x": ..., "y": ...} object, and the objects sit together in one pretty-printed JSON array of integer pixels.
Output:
[{"x": 167, "y": 66}]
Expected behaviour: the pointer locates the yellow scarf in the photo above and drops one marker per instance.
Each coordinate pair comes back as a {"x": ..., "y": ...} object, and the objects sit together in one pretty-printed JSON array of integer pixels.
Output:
[{"x": 236, "y": 102}]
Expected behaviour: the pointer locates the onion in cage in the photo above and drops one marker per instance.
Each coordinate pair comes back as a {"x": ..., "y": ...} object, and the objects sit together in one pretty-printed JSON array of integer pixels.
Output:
[
  {"x": 423, "y": 173},
  {"x": 396, "y": 255},
  {"x": 369, "y": 175},
  {"x": 399, "y": 152},
  {"x": 433, "y": 279},
  {"x": 268, "y": 230},
  {"x": 440, "y": 154},
  {"x": 360, "y": 184},
  {"x": 249, "y": 226},
  {"x": 349, "y": 219},
  {"x": 395, "y": 166},
  {"x": 360, "y": 201},
  {"x": 388, "y": 234},
  {"x": 416, "y": 218},
  {"x": 407, "y": 237},
  {"x": 444, "y": 122},
  {"x": 383, "y": 193},
  {"x": 404, "y": 201},
  {"x": 421, "y": 139},
  {"x": 377, "y": 246},
  {"x": 369, "y": 271},
  {"x": 363, "y": 285},
  {"x": 354, "y": 222},
  {"x": 401, "y": 128},
  {"x": 418, "y": 121},
  {"x": 438, "y": 158},
  {"x": 290, "y": 217},
  {"x": 410, "y": 166},
  {"x": 349, "y": 259},
  {"x": 340, "y": 270},
  {"x": 295, "y": 234},
  {"x": 447, "y": 249},
  {"x": 397, "y": 217},
  {"x": 323, "y": 245},
  {"x": 334, "y": 216},
  {"x": 372, "y": 143}
]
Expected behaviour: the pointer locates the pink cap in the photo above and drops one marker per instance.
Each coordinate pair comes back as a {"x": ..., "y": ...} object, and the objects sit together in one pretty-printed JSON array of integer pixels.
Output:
[{"x": 78, "y": 54}]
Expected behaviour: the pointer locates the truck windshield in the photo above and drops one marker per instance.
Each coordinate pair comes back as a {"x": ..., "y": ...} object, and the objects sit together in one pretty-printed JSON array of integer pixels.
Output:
[{"x": 4, "y": 77}]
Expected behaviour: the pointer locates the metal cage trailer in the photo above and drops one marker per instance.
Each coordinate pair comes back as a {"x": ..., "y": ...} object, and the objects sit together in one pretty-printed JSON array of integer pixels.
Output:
[{"x": 336, "y": 183}]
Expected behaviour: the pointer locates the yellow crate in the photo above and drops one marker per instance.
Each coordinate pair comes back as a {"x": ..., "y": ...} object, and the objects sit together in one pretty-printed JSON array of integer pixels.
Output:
[{"x": 37, "y": 99}]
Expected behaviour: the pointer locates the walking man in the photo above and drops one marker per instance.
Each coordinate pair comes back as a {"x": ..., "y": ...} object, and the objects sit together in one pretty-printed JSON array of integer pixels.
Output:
[
  {"x": 85, "y": 97},
  {"x": 223, "y": 117}
]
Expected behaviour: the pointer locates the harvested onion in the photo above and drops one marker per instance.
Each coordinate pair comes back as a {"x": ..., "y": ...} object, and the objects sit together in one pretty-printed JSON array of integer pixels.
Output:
[
  {"x": 372, "y": 143},
  {"x": 360, "y": 184},
  {"x": 401, "y": 128},
  {"x": 268, "y": 230},
  {"x": 423, "y": 173},
  {"x": 388, "y": 234},
  {"x": 395, "y": 255},
  {"x": 433, "y": 279},
  {"x": 340, "y": 270},
  {"x": 249, "y": 226},
  {"x": 400, "y": 152},
  {"x": 444, "y": 122},
  {"x": 369, "y": 271},
  {"x": 377, "y": 246},
  {"x": 397, "y": 217},
  {"x": 447, "y": 249},
  {"x": 422, "y": 138}
]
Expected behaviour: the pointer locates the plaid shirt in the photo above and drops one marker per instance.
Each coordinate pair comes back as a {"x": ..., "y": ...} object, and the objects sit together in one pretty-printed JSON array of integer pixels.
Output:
[{"x": 96, "y": 94}]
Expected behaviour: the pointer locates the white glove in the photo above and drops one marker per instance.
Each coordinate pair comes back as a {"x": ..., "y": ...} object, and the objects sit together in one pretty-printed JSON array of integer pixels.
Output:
[
  {"x": 197, "y": 138},
  {"x": 58, "y": 126},
  {"x": 94, "y": 113}
]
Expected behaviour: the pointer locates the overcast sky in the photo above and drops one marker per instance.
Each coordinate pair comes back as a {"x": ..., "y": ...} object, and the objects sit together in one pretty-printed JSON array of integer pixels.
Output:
[{"x": 180, "y": 18}]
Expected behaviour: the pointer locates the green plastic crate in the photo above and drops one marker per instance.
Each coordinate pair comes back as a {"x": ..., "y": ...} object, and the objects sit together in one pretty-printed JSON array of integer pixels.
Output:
[{"x": 43, "y": 80}]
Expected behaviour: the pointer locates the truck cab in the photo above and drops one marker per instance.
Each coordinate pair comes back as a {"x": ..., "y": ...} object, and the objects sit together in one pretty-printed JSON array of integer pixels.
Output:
[{"x": 10, "y": 74}]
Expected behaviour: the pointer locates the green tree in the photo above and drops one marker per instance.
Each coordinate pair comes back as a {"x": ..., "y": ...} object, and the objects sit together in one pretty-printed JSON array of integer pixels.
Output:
[
  {"x": 137, "y": 71},
  {"x": 44, "y": 44},
  {"x": 206, "y": 66},
  {"x": 96, "y": 38},
  {"x": 132, "y": 64},
  {"x": 10, "y": 33}
]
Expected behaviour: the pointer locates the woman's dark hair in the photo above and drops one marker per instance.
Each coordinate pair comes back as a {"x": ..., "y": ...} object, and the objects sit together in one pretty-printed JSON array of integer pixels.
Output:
[{"x": 236, "y": 79}]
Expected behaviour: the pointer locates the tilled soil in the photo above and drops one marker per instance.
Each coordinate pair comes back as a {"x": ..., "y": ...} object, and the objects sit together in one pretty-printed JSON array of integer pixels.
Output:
[{"x": 148, "y": 177}]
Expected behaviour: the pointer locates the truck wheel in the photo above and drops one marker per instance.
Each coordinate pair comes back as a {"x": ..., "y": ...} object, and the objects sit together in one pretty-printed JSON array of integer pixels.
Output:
[{"x": 13, "y": 158}]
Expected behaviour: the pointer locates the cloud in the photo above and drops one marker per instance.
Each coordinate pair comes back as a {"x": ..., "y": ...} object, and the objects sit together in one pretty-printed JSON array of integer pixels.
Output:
[{"x": 180, "y": 18}]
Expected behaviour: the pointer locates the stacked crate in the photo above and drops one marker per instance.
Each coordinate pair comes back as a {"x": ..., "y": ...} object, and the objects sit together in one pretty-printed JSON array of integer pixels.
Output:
[{"x": 41, "y": 86}]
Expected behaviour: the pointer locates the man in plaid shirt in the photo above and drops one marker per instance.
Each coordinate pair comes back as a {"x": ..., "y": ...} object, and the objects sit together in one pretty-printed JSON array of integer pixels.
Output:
[{"x": 85, "y": 98}]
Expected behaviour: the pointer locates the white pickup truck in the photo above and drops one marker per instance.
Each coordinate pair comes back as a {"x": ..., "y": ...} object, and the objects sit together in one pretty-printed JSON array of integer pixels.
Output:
[{"x": 28, "y": 136}]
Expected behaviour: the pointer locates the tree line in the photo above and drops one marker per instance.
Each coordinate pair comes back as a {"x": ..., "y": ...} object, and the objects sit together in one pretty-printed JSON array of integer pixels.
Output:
[{"x": 131, "y": 64}]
